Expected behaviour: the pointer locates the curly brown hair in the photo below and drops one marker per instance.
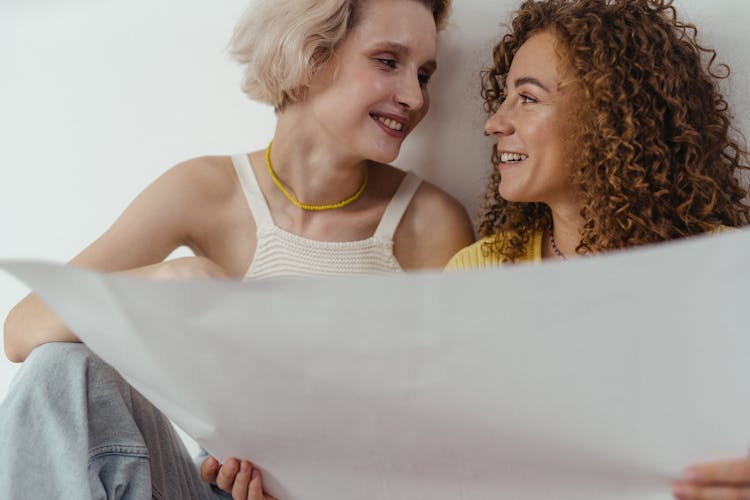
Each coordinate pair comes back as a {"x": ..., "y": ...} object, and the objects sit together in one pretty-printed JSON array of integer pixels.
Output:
[{"x": 657, "y": 156}]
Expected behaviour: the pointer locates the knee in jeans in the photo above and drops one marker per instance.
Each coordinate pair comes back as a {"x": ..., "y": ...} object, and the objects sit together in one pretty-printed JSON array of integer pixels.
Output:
[
  {"x": 53, "y": 353},
  {"x": 57, "y": 362}
]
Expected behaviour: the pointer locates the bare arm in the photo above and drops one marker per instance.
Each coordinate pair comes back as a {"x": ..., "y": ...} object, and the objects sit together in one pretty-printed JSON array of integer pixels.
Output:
[{"x": 162, "y": 218}]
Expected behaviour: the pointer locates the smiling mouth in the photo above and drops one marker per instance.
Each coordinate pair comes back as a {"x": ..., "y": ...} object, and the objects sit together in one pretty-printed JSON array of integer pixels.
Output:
[
  {"x": 506, "y": 157},
  {"x": 390, "y": 123}
]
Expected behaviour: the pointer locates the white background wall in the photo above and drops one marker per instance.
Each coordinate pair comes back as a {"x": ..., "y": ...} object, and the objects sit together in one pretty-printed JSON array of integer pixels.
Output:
[{"x": 99, "y": 97}]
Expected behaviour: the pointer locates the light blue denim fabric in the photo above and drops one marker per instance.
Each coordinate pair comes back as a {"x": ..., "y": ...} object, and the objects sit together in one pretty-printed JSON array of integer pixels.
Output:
[{"x": 71, "y": 428}]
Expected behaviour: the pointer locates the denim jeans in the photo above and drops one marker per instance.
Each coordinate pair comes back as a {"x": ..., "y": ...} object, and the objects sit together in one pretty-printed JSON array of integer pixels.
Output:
[{"x": 72, "y": 428}]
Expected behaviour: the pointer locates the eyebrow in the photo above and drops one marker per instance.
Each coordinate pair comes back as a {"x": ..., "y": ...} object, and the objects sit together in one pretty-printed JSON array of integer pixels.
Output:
[
  {"x": 532, "y": 81},
  {"x": 399, "y": 48}
]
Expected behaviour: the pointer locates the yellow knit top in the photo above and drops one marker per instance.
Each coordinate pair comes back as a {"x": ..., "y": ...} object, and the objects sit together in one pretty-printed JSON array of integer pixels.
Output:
[{"x": 472, "y": 256}]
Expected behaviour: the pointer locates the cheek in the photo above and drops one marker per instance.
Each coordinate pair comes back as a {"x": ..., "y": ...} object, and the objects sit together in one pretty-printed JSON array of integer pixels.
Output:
[
  {"x": 354, "y": 82},
  {"x": 550, "y": 134},
  {"x": 557, "y": 142},
  {"x": 568, "y": 148}
]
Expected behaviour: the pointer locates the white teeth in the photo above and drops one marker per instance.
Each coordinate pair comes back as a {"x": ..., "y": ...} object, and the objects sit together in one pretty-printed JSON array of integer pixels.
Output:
[
  {"x": 508, "y": 157},
  {"x": 391, "y": 124}
]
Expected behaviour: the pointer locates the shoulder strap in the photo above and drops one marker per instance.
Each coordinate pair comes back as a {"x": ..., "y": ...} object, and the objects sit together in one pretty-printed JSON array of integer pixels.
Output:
[
  {"x": 397, "y": 206},
  {"x": 254, "y": 195}
]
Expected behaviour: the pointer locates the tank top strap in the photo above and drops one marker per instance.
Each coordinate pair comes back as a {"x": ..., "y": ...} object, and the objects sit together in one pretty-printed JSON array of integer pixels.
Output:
[
  {"x": 397, "y": 206},
  {"x": 254, "y": 195}
]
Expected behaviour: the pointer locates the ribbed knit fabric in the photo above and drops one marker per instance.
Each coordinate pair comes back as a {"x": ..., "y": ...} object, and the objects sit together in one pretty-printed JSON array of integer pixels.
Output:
[{"x": 280, "y": 253}]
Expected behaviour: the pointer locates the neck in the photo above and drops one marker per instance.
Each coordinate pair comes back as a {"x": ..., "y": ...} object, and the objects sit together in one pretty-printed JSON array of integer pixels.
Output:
[
  {"x": 313, "y": 167},
  {"x": 566, "y": 226}
]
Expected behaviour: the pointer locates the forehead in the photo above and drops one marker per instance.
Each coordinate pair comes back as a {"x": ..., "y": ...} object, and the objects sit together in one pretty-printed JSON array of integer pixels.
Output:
[
  {"x": 537, "y": 58},
  {"x": 403, "y": 22}
]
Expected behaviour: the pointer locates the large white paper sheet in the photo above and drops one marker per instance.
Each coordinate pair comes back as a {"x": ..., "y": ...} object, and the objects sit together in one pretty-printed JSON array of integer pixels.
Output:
[{"x": 597, "y": 378}]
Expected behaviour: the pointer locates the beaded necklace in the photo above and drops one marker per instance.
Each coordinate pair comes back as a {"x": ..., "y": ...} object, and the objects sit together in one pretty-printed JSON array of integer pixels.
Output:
[
  {"x": 554, "y": 245},
  {"x": 304, "y": 206}
]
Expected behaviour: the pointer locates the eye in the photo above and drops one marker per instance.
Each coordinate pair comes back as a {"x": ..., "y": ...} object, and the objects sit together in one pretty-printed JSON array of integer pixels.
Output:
[
  {"x": 527, "y": 99},
  {"x": 391, "y": 63},
  {"x": 424, "y": 79}
]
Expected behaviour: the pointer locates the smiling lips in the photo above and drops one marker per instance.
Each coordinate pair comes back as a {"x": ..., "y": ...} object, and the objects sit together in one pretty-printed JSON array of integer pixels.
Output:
[
  {"x": 394, "y": 126},
  {"x": 507, "y": 157}
]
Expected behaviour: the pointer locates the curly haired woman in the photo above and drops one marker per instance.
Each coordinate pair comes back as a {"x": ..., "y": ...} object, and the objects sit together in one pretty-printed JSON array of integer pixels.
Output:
[{"x": 611, "y": 133}]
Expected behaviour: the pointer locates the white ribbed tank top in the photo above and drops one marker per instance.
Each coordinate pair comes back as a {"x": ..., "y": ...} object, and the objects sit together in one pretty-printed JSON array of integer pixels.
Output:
[{"x": 279, "y": 253}]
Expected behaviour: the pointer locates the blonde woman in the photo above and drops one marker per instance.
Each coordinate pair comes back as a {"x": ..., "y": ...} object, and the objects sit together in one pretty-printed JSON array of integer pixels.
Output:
[{"x": 349, "y": 81}]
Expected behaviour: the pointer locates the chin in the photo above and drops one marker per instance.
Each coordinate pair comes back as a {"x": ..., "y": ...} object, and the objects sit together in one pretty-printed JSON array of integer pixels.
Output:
[
  {"x": 517, "y": 196},
  {"x": 384, "y": 155},
  {"x": 508, "y": 194}
]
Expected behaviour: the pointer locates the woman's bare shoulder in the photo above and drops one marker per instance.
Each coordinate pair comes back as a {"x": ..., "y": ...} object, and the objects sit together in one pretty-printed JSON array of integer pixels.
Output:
[
  {"x": 170, "y": 212},
  {"x": 208, "y": 177},
  {"x": 439, "y": 213},
  {"x": 436, "y": 226}
]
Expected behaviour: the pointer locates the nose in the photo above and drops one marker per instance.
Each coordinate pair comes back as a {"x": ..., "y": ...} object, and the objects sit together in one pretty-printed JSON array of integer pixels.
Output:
[
  {"x": 499, "y": 123},
  {"x": 410, "y": 94}
]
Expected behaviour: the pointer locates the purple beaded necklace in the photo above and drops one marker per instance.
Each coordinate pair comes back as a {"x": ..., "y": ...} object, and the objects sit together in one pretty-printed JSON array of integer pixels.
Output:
[{"x": 554, "y": 245}]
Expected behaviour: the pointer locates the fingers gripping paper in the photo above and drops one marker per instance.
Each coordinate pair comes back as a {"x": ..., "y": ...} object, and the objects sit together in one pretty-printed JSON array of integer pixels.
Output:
[{"x": 599, "y": 378}]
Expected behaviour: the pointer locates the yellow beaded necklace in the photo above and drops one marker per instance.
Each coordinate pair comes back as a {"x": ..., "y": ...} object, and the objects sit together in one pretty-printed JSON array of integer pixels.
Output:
[{"x": 303, "y": 206}]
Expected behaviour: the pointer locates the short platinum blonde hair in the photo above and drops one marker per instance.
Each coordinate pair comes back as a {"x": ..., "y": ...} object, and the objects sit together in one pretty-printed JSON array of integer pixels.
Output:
[{"x": 282, "y": 43}]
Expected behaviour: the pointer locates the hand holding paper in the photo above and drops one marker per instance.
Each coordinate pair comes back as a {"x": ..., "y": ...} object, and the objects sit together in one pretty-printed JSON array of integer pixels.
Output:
[{"x": 442, "y": 386}]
